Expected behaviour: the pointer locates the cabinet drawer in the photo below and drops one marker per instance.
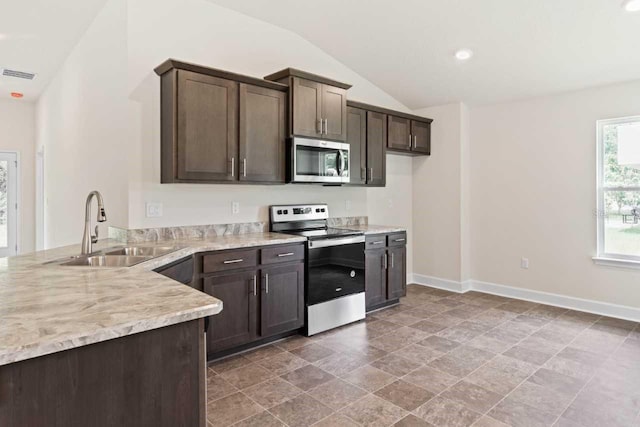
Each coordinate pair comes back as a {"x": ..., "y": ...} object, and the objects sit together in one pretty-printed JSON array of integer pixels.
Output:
[
  {"x": 229, "y": 261},
  {"x": 397, "y": 239},
  {"x": 282, "y": 254},
  {"x": 375, "y": 242}
]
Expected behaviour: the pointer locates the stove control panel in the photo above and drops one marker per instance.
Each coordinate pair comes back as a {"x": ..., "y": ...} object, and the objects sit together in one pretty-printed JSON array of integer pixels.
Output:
[{"x": 286, "y": 213}]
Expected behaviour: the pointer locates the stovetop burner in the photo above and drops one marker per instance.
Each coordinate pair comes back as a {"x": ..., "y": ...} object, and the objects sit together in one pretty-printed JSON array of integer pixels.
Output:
[{"x": 324, "y": 233}]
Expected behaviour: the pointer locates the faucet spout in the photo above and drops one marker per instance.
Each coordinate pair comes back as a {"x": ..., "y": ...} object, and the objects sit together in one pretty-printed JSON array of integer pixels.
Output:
[{"x": 88, "y": 239}]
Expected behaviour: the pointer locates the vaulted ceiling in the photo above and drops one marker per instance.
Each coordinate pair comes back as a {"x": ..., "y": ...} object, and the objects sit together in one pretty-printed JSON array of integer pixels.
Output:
[
  {"x": 36, "y": 36},
  {"x": 522, "y": 48}
]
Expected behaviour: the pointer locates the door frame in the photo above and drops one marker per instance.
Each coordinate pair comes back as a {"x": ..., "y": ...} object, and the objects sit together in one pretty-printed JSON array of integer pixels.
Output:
[{"x": 18, "y": 202}]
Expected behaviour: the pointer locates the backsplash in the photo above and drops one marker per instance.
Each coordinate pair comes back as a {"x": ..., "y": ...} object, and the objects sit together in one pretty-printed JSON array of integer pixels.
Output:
[{"x": 211, "y": 230}]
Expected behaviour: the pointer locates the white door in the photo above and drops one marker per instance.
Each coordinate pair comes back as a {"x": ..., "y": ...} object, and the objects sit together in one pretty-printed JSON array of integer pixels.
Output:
[{"x": 8, "y": 204}]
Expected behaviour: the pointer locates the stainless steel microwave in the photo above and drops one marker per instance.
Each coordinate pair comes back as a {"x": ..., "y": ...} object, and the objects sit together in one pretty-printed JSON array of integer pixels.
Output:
[{"x": 319, "y": 161}]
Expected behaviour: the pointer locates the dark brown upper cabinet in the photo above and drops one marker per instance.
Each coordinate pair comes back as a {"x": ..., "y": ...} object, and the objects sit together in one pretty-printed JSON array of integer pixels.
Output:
[
  {"x": 220, "y": 127},
  {"x": 376, "y": 149},
  {"x": 399, "y": 133},
  {"x": 367, "y": 136},
  {"x": 406, "y": 133},
  {"x": 262, "y": 134},
  {"x": 357, "y": 139},
  {"x": 318, "y": 105}
]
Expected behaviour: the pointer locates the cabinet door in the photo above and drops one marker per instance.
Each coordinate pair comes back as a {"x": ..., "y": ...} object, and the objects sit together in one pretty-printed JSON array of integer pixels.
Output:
[
  {"x": 262, "y": 134},
  {"x": 399, "y": 133},
  {"x": 376, "y": 148},
  {"x": 334, "y": 112},
  {"x": 374, "y": 277},
  {"x": 307, "y": 107},
  {"x": 282, "y": 299},
  {"x": 357, "y": 139},
  {"x": 421, "y": 134},
  {"x": 207, "y": 128},
  {"x": 396, "y": 272},
  {"x": 237, "y": 323}
]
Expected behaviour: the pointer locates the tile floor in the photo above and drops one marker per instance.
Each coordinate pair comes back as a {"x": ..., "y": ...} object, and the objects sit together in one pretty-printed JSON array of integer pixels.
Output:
[{"x": 440, "y": 359}]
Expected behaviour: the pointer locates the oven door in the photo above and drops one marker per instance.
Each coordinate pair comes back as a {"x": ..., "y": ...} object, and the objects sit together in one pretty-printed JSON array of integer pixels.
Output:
[
  {"x": 335, "y": 271},
  {"x": 319, "y": 161}
]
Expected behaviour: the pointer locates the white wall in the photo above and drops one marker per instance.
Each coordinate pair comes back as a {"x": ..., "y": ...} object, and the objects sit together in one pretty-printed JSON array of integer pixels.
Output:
[
  {"x": 440, "y": 239},
  {"x": 533, "y": 194},
  {"x": 17, "y": 133},
  {"x": 201, "y": 32},
  {"x": 82, "y": 124}
]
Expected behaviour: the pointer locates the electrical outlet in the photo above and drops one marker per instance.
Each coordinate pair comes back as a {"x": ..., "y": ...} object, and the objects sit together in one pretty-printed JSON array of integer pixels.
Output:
[
  {"x": 524, "y": 263},
  {"x": 154, "y": 209},
  {"x": 235, "y": 207}
]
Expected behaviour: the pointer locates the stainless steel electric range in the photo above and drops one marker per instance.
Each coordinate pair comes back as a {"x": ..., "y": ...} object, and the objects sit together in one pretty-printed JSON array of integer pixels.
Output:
[{"x": 334, "y": 268}]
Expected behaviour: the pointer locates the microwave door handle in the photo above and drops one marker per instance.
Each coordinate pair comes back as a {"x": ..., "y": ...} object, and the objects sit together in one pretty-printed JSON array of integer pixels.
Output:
[{"x": 339, "y": 164}]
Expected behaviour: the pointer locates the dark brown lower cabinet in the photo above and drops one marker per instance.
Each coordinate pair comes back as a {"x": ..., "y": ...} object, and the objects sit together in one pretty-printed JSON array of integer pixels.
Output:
[
  {"x": 155, "y": 378},
  {"x": 282, "y": 299},
  {"x": 396, "y": 272},
  {"x": 375, "y": 278},
  {"x": 262, "y": 298},
  {"x": 385, "y": 269},
  {"x": 237, "y": 323}
]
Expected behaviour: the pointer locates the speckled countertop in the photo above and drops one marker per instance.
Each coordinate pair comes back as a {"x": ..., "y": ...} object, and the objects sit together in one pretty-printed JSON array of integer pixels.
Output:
[
  {"x": 46, "y": 308},
  {"x": 373, "y": 229}
]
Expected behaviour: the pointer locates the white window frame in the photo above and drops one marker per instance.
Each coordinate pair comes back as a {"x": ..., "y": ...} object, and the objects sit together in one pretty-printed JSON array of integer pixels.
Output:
[{"x": 604, "y": 258}]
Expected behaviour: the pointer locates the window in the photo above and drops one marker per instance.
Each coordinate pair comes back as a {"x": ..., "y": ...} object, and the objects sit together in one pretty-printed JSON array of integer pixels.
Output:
[{"x": 619, "y": 190}]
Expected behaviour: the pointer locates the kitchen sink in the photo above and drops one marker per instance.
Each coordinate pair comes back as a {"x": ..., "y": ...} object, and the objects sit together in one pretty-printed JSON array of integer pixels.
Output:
[
  {"x": 107, "y": 261},
  {"x": 145, "y": 251},
  {"x": 117, "y": 256}
]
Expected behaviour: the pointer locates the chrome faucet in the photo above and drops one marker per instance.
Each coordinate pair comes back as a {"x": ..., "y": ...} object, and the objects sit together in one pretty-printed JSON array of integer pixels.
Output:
[{"x": 88, "y": 239}]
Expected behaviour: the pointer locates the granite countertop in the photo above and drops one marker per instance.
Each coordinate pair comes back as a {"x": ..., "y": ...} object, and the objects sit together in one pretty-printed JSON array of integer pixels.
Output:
[
  {"x": 373, "y": 229},
  {"x": 46, "y": 308}
]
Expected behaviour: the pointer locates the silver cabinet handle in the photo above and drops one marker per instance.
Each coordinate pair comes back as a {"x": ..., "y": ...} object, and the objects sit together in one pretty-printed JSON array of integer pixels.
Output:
[
  {"x": 415, "y": 143},
  {"x": 377, "y": 242},
  {"x": 400, "y": 240},
  {"x": 392, "y": 260},
  {"x": 385, "y": 261},
  {"x": 266, "y": 283},
  {"x": 233, "y": 261},
  {"x": 287, "y": 254},
  {"x": 409, "y": 140},
  {"x": 255, "y": 285},
  {"x": 233, "y": 166},
  {"x": 338, "y": 289},
  {"x": 326, "y": 126},
  {"x": 370, "y": 174},
  {"x": 244, "y": 167},
  {"x": 319, "y": 128}
]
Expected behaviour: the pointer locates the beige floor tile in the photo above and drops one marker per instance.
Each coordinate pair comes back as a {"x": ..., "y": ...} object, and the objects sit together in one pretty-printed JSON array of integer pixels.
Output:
[
  {"x": 218, "y": 387},
  {"x": 405, "y": 395},
  {"x": 527, "y": 355},
  {"x": 472, "y": 396},
  {"x": 439, "y": 344},
  {"x": 336, "y": 420},
  {"x": 374, "y": 411},
  {"x": 246, "y": 376},
  {"x": 431, "y": 379},
  {"x": 263, "y": 419},
  {"x": 455, "y": 366},
  {"x": 412, "y": 421},
  {"x": 282, "y": 363},
  {"x": 443, "y": 412},
  {"x": 301, "y": 411},
  {"x": 272, "y": 392},
  {"x": 369, "y": 378},
  {"x": 518, "y": 414},
  {"x": 336, "y": 394},
  {"x": 487, "y": 421},
  {"x": 312, "y": 352},
  {"x": 396, "y": 365},
  {"x": 262, "y": 353},
  {"x": 419, "y": 354},
  {"x": 542, "y": 398},
  {"x": 340, "y": 364},
  {"x": 229, "y": 363},
  {"x": 231, "y": 409},
  {"x": 307, "y": 377},
  {"x": 556, "y": 381}
]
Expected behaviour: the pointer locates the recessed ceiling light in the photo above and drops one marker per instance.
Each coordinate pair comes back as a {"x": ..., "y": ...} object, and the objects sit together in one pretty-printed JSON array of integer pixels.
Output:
[
  {"x": 631, "y": 5},
  {"x": 463, "y": 54},
  {"x": 17, "y": 94}
]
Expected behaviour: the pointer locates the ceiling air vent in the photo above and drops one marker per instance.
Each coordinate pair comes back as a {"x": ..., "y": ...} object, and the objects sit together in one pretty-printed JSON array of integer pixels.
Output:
[{"x": 18, "y": 74}]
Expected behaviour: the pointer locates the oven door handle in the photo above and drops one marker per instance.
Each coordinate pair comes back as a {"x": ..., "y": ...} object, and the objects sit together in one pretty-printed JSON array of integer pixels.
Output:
[{"x": 323, "y": 243}]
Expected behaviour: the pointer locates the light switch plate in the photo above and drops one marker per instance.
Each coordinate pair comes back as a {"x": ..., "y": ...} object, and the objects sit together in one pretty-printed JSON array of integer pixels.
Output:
[
  {"x": 154, "y": 209},
  {"x": 235, "y": 207}
]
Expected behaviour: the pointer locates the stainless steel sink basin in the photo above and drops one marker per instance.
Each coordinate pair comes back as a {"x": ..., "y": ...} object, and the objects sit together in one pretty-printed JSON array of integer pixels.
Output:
[
  {"x": 146, "y": 251},
  {"x": 107, "y": 261}
]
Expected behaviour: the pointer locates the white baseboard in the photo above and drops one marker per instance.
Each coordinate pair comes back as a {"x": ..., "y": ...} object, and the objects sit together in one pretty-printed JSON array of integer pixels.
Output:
[{"x": 557, "y": 300}]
